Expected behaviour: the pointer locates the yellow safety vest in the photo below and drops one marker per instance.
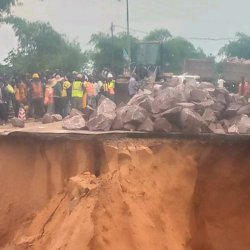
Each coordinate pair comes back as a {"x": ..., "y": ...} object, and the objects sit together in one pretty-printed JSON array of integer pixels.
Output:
[{"x": 77, "y": 89}]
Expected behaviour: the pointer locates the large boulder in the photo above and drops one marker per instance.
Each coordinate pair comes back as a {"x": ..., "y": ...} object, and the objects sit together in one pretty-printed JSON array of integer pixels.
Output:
[
  {"x": 147, "y": 126},
  {"x": 216, "y": 128},
  {"x": 221, "y": 99},
  {"x": 179, "y": 93},
  {"x": 172, "y": 115},
  {"x": 129, "y": 127},
  {"x": 209, "y": 116},
  {"x": 102, "y": 122},
  {"x": 243, "y": 124},
  {"x": 47, "y": 118},
  {"x": 198, "y": 95},
  {"x": 118, "y": 123},
  {"x": 57, "y": 117},
  {"x": 189, "y": 118},
  {"x": 18, "y": 123},
  {"x": 165, "y": 100},
  {"x": 87, "y": 112},
  {"x": 217, "y": 106},
  {"x": 75, "y": 112},
  {"x": 244, "y": 110},
  {"x": 105, "y": 106},
  {"x": 233, "y": 130},
  {"x": 162, "y": 125},
  {"x": 232, "y": 110},
  {"x": 74, "y": 123},
  {"x": 189, "y": 86},
  {"x": 200, "y": 107},
  {"x": 206, "y": 85},
  {"x": 143, "y": 100},
  {"x": 103, "y": 117},
  {"x": 136, "y": 115}
]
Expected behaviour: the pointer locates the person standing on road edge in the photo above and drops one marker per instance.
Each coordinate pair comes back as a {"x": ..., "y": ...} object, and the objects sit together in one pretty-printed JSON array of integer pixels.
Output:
[
  {"x": 66, "y": 95},
  {"x": 132, "y": 86},
  {"x": 37, "y": 96},
  {"x": 77, "y": 93}
]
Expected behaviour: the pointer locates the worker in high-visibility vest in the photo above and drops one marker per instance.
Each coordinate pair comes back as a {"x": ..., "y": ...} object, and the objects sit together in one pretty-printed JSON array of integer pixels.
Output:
[
  {"x": 111, "y": 87},
  {"x": 78, "y": 92},
  {"x": 37, "y": 90},
  {"x": 91, "y": 92}
]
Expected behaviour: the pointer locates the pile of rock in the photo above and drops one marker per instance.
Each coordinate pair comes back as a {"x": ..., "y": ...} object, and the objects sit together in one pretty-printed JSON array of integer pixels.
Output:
[{"x": 171, "y": 107}]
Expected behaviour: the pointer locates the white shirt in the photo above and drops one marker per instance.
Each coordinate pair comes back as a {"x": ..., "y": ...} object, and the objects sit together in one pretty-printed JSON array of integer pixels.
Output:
[{"x": 221, "y": 83}]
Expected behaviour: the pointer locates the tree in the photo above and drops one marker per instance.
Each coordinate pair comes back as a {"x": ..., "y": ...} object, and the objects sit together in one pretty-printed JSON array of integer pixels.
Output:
[
  {"x": 102, "y": 52},
  {"x": 158, "y": 35},
  {"x": 239, "y": 48},
  {"x": 177, "y": 50},
  {"x": 5, "y": 5},
  {"x": 40, "y": 47}
]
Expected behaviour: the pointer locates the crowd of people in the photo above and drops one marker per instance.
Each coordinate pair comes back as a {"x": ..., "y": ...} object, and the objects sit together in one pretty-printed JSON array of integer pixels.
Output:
[{"x": 52, "y": 93}]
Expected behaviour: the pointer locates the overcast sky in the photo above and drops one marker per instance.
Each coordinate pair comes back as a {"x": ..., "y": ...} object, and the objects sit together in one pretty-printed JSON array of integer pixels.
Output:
[{"x": 187, "y": 18}]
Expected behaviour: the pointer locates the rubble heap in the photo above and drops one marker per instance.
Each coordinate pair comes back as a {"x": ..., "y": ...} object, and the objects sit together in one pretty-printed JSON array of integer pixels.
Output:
[
  {"x": 237, "y": 60},
  {"x": 171, "y": 107}
]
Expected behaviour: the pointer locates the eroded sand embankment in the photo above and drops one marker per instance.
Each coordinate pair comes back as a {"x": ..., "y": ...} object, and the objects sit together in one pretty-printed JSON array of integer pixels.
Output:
[{"x": 148, "y": 195}]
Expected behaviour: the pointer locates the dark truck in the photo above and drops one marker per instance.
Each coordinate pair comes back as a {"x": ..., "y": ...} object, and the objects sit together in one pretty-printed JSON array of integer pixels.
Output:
[
  {"x": 232, "y": 74},
  {"x": 205, "y": 68}
]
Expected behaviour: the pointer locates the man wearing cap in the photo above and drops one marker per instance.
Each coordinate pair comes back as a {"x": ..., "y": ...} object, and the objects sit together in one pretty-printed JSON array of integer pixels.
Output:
[
  {"x": 37, "y": 95},
  {"x": 77, "y": 93}
]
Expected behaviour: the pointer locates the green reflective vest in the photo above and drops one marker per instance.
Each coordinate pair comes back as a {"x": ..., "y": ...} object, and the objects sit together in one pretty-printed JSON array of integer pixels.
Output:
[{"x": 77, "y": 89}]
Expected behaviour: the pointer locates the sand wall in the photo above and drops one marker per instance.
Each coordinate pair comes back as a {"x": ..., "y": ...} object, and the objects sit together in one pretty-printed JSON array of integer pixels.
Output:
[{"x": 148, "y": 195}]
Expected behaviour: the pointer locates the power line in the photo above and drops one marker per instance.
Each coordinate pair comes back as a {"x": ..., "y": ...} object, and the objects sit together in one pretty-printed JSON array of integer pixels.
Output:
[{"x": 187, "y": 38}]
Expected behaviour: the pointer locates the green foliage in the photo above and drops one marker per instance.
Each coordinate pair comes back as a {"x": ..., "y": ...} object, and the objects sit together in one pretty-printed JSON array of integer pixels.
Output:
[
  {"x": 5, "y": 5},
  {"x": 178, "y": 49},
  {"x": 239, "y": 48},
  {"x": 158, "y": 35},
  {"x": 40, "y": 47},
  {"x": 102, "y": 52}
]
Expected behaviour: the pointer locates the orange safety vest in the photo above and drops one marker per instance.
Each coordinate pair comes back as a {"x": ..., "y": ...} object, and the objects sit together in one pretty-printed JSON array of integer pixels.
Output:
[
  {"x": 90, "y": 87},
  {"x": 244, "y": 92},
  {"x": 17, "y": 94},
  {"x": 37, "y": 91},
  {"x": 22, "y": 92}
]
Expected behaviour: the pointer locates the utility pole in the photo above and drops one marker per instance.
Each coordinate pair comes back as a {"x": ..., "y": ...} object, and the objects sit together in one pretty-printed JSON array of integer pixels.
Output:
[
  {"x": 128, "y": 35},
  {"x": 112, "y": 28}
]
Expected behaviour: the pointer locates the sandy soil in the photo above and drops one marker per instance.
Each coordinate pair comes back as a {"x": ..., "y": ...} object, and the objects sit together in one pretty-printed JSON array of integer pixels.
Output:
[{"x": 147, "y": 194}]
